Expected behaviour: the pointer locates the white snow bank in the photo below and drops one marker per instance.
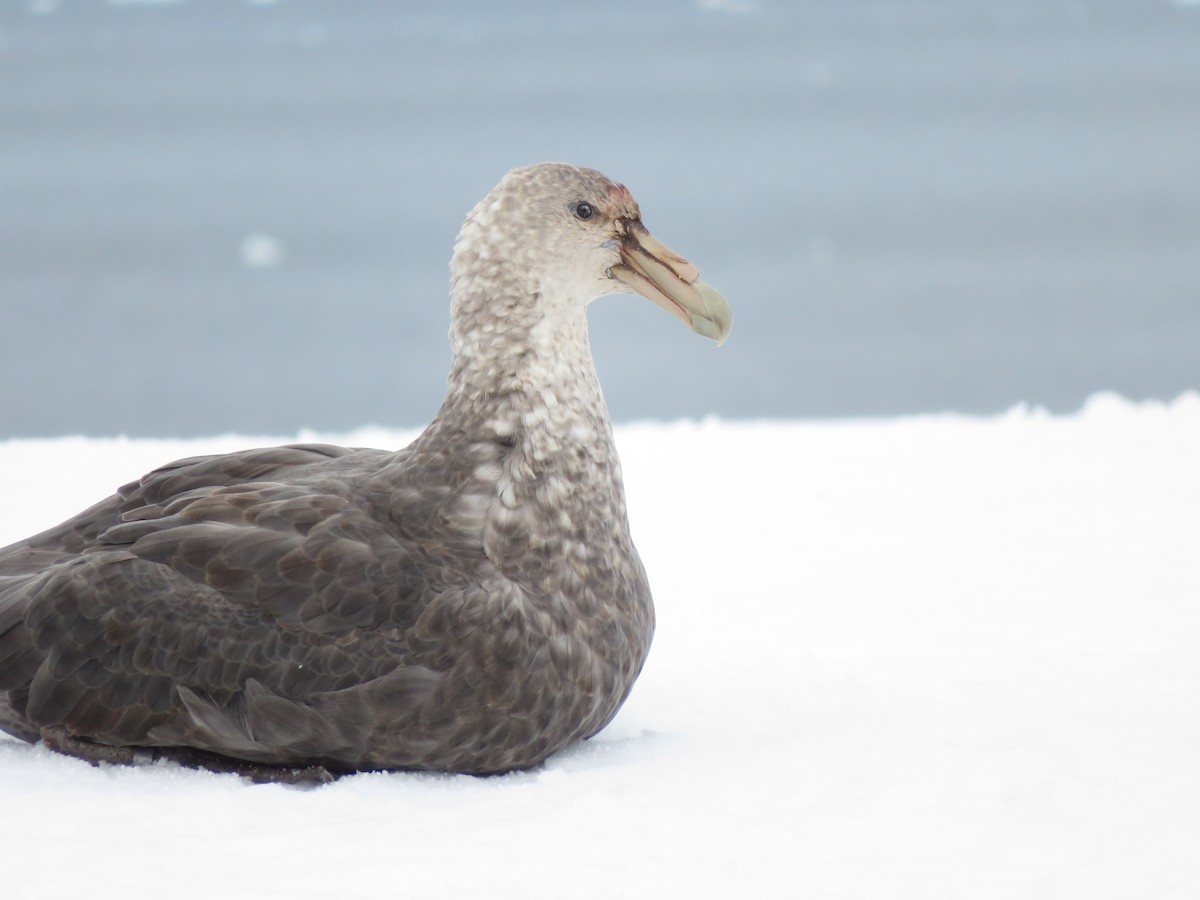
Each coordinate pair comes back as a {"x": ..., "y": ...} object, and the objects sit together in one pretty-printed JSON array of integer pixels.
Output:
[{"x": 928, "y": 657}]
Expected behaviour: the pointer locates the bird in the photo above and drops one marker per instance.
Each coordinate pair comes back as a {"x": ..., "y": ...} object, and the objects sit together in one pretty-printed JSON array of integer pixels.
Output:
[{"x": 471, "y": 603}]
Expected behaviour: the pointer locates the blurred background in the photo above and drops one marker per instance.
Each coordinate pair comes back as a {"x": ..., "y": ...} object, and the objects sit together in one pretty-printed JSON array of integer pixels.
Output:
[{"x": 237, "y": 216}]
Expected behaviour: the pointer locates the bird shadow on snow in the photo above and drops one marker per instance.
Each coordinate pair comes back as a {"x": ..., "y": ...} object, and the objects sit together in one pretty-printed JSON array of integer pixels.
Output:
[{"x": 34, "y": 765}]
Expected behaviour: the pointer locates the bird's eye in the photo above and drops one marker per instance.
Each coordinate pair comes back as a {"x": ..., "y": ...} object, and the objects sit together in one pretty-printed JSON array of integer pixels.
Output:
[{"x": 584, "y": 210}]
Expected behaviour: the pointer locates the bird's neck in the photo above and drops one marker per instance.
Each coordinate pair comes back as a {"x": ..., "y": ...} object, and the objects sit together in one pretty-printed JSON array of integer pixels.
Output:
[
  {"x": 522, "y": 373},
  {"x": 524, "y": 408}
]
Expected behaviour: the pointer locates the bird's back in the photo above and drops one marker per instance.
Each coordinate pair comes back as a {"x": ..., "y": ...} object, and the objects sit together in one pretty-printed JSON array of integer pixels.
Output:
[
  {"x": 292, "y": 606},
  {"x": 192, "y": 607}
]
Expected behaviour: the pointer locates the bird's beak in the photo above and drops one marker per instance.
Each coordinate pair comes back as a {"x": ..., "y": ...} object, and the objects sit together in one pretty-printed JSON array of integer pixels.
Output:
[{"x": 649, "y": 268}]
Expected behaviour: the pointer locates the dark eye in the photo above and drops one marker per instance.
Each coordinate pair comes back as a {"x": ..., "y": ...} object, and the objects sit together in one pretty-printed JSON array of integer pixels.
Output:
[{"x": 584, "y": 210}]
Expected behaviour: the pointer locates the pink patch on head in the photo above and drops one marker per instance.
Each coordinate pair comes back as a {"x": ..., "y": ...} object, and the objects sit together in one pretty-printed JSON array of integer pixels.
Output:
[{"x": 622, "y": 195}]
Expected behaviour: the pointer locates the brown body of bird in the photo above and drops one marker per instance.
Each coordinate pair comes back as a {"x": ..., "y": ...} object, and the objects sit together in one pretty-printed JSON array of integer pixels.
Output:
[{"x": 471, "y": 603}]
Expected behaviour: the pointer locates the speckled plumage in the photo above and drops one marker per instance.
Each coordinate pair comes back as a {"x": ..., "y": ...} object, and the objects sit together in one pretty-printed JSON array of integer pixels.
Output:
[{"x": 471, "y": 603}]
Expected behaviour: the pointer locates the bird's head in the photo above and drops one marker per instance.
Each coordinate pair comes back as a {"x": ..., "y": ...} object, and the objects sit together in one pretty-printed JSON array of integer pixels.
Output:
[{"x": 577, "y": 235}]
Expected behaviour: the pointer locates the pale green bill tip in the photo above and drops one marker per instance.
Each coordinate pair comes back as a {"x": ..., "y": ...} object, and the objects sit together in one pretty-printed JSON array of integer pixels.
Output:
[
  {"x": 706, "y": 327},
  {"x": 717, "y": 319}
]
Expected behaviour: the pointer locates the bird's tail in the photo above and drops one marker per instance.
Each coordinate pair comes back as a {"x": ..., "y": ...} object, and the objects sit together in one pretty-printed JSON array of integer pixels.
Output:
[{"x": 19, "y": 657}]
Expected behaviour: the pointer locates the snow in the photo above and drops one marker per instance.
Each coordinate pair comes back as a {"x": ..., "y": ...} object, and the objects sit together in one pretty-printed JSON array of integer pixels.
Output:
[{"x": 910, "y": 658}]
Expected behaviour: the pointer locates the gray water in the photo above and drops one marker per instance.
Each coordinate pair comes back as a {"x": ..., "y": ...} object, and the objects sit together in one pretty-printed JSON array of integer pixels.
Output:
[{"x": 912, "y": 206}]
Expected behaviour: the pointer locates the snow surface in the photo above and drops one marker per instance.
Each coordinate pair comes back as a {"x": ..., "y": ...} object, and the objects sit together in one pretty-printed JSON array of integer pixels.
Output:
[{"x": 920, "y": 658}]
